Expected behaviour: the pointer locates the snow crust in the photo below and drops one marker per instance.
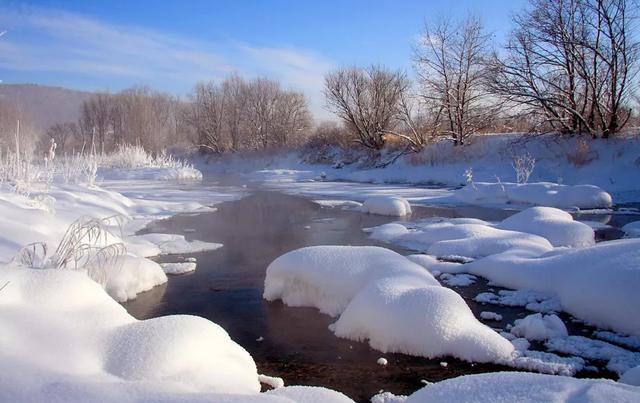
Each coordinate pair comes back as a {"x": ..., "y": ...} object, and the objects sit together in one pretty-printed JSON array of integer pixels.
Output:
[
  {"x": 385, "y": 298},
  {"x": 387, "y": 205},
  {"x": 631, "y": 377}
]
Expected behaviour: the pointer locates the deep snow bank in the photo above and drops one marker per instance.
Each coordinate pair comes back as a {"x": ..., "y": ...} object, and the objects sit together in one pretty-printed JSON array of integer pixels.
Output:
[
  {"x": 60, "y": 323},
  {"x": 532, "y": 232},
  {"x": 385, "y": 298},
  {"x": 524, "y": 388},
  {"x": 599, "y": 284},
  {"x": 541, "y": 193}
]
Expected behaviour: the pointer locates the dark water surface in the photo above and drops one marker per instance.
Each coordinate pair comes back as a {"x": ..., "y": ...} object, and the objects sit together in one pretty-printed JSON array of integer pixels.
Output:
[{"x": 295, "y": 343}]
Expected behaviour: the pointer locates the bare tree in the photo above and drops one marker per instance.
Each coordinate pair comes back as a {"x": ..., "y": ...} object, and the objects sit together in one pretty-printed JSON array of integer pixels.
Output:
[
  {"x": 64, "y": 134},
  {"x": 367, "y": 100},
  {"x": 450, "y": 59},
  {"x": 94, "y": 121},
  {"x": 571, "y": 64}
]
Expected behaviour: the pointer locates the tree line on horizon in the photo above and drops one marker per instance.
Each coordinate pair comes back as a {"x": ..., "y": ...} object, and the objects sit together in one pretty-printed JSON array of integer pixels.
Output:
[{"x": 568, "y": 67}]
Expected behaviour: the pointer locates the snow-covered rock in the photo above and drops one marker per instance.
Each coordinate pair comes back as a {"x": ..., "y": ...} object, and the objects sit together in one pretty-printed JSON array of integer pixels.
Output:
[
  {"x": 557, "y": 226},
  {"x": 598, "y": 284},
  {"x": 539, "y": 327},
  {"x": 540, "y": 193},
  {"x": 387, "y": 205},
  {"x": 385, "y": 298},
  {"x": 525, "y": 388}
]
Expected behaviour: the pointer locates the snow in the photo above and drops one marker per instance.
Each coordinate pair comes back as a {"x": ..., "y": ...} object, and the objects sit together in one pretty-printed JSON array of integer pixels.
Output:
[
  {"x": 387, "y": 205},
  {"x": 388, "y": 397},
  {"x": 173, "y": 243},
  {"x": 178, "y": 268},
  {"x": 458, "y": 280},
  {"x": 524, "y": 388},
  {"x": 538, "y": 327},
  {"x": 460, "y": 238},
  {"x": 626, "y": 341},
  {"x": 398, "y": 316},
  {"x": 488, "y": 315},
  {"x": 631, "y": 377},
  {"x": 557, "y": 226},
  {"x": 310, "y": 394},
  {"x": 531, "y": 300},
  {"x": 60, "y": 327},
  {"x": 329, "y": 277},
  {"x": 618, "y": 359},
  {"x": 541, "y": 194},
  {"x": 598, "y": 284},
  {"x": 632, "y": 230},
  {"x": 382, "y": 361},
  {"x": 384, "y": 298},
  {"x": 273, "y": 381},
  {"x": 133, "y": 275}
]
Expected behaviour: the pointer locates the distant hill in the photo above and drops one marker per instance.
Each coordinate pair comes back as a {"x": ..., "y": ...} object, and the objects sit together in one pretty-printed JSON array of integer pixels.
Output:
[{"x": 43, "y": 105}]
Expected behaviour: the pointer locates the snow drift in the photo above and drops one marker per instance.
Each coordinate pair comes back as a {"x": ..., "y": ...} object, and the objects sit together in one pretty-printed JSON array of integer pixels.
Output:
[
  {"x": 524, "y": 388},
  {"x": 387, "y": 205},
  {"x": 541, "y": 194},
  {"x": 381, "y": 296}
]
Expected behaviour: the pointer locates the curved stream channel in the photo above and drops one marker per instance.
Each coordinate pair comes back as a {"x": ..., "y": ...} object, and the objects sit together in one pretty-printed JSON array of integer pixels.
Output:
[{"x": 295, "y": 343}]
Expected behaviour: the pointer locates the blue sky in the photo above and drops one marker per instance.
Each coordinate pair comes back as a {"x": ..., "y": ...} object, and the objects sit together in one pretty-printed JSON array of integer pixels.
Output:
[{"x": 170, "y": 45}]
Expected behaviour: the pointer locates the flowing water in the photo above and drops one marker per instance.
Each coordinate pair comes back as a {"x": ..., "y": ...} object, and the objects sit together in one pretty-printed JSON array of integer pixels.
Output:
[{"x": 295, "y": 343}]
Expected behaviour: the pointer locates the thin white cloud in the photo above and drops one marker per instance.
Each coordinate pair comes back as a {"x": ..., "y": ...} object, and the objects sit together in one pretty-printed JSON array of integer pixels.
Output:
[{"x": 44, "y": 41}]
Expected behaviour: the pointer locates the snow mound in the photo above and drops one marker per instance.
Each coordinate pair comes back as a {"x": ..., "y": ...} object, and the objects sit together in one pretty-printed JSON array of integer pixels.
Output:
[
  {"x": 132, "y": 276},
  {"x": 631, "y": 377},
  {"x": 539, "y": 327},
  {"x": 524, "y": 388},
  {"x": 540, "y": 193},
  {"x": 598, "y": 284},
  {"x": 476, "y": 241},
  {"x": 385, "y": 298},
  {"x": 461, "y": 238},
  {"x": 328, "y": 277},
  {"x": 65, "y": 339},
  {"x": 387, "y": 205},
  {"x": 178, "y": 268},
  {"x": 310, "y": 394},
  {"x": 181, "y": 348},
  {"x": 397, "y": 316},
  {"x": 557, "y": 226},
  {"x": 632, "y": 230}
]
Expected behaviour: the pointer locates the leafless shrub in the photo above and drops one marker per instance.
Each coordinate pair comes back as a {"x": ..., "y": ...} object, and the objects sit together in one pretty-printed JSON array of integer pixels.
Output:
[
  {"x": 523, "y": 165},
  {"x": 582, "y": 155},
  {"x": 88, "y": 244}
]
